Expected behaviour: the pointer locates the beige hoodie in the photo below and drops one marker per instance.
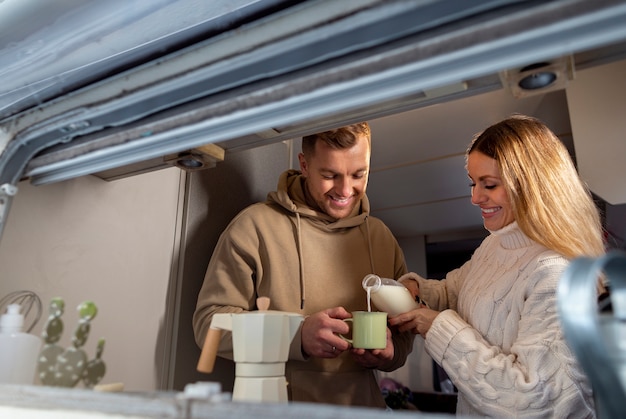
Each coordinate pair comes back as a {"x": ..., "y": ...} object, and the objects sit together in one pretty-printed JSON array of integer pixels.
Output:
[{"x": 305, "y": 262}]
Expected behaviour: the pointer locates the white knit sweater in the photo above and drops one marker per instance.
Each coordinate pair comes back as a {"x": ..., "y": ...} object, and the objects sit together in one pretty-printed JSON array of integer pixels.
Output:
[{"x": 499, "y": 337}]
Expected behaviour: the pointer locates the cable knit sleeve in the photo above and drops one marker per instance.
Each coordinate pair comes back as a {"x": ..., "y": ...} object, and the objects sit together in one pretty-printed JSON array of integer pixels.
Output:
[
  {"x": 507, "y": 355},
  {"x": 442, "y": 294}
]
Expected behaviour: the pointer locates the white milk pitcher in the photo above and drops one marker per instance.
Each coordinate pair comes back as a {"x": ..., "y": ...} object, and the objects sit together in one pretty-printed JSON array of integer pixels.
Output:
[{"x": 388, "y": 295}]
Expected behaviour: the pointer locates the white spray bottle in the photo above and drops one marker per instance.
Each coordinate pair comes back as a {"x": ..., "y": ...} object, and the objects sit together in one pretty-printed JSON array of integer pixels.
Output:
[{"x": 18, "y": 350}]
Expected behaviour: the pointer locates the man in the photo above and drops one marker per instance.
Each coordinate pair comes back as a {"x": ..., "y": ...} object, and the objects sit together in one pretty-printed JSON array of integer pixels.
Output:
[{"x": 307, "y": 248}]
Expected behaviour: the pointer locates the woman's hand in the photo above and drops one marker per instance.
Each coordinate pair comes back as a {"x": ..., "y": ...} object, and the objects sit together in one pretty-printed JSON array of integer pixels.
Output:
[
  {"x": 409, "y": 280},
  {"x": 418, "y": 321}
]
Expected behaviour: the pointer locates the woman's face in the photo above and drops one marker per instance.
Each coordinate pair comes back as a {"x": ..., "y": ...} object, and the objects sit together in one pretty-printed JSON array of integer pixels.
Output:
[{"x": 488, "y": 192}]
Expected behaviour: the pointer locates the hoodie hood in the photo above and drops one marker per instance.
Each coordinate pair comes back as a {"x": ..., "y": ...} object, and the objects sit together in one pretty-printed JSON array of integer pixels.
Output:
[{"x": 291, "y": 195}]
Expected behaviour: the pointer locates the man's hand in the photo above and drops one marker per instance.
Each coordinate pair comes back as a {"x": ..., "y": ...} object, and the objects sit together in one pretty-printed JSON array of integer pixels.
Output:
[
  {"x": 375, "y": 358},
  {"x": 319, "y": 333}
]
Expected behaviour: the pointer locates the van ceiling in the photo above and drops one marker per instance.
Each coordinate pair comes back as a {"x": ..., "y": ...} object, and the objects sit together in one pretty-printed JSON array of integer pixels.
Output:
[
  {"x": 48, "y": 48},
  {"x": 109, "y": 88}
]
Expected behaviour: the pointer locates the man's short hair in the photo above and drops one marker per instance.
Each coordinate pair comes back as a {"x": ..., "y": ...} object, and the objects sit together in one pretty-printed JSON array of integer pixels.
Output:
[{"x": 339, "y": 138}]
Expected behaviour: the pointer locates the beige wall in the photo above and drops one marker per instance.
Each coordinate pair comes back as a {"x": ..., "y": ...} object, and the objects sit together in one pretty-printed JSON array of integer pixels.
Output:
[
  {"x": 597, "y": 107},
  {"x": 214, "y": 197},
  {"x": 109, "y": 242}
]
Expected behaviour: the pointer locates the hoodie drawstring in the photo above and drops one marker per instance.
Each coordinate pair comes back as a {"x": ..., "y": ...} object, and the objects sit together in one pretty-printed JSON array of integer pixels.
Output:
[
  {"x": 369, "y": 244},
  {"x": 298, "y": 233},
  {"x": 301, "y": 257}
]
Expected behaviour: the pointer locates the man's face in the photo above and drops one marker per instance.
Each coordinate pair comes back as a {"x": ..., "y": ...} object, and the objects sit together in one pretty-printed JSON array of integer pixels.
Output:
[{"x": 337, "y": 179}]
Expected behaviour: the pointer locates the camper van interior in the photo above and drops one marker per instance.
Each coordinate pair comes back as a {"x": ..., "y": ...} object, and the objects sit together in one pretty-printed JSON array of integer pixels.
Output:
[{"x": 131, "y": 132}]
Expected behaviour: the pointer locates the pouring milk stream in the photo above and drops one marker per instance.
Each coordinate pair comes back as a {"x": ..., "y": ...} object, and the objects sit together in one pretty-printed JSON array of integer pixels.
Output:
[{"x": 388, "y": 295}]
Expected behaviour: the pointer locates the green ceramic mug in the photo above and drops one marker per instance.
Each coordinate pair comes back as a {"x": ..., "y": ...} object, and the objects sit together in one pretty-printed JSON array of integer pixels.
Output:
[{"x": 369, "y": 330}]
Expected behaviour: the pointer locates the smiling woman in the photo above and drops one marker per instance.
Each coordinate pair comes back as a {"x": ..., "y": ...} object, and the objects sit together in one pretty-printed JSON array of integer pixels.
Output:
[
  {"x": 488, "y": 192},
  {"x": 526, "y": 174},
  {"x": 493, "y": 322}
]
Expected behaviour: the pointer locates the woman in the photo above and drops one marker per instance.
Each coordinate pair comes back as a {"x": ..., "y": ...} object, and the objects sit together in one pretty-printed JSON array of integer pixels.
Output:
[{"x": 493, "y": 323}]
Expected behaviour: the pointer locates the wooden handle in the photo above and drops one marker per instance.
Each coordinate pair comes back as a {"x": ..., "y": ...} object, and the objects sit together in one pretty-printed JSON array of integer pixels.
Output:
[
  {"x": 209, "y": 350},
  {"x": 263, "y": 303}
]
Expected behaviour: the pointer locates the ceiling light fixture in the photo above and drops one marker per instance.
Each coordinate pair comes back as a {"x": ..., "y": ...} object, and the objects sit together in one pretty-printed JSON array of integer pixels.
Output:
[
  {"x": 200, "y": 158},
  {"x": 536, "y": 79},
  {"x": 540, "y": 77}
]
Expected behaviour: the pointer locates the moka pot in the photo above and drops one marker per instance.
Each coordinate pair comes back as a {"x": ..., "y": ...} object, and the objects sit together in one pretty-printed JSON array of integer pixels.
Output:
[{"x": 261, "y": 341}]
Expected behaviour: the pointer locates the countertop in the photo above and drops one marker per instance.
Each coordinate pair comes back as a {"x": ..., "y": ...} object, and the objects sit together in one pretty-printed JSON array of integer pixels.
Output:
[{"x": 35, "y": 402}]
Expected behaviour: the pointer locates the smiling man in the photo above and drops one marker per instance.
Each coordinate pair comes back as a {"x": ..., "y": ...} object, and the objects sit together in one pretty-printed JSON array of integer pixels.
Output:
[
  {"x": 335, "y": 167},
  {"x": 307, "y": 248}
]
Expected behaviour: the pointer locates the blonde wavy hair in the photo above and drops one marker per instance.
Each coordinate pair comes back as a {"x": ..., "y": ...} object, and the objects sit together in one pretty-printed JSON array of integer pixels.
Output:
[{"x": 550, "y": 202}]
